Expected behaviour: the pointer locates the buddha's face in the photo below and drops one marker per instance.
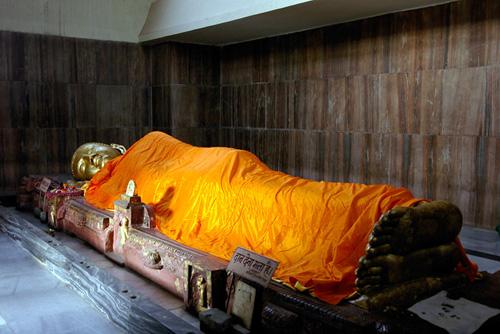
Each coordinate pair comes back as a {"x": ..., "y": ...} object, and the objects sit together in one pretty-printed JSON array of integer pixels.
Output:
[{"x": 89, "y": 158}]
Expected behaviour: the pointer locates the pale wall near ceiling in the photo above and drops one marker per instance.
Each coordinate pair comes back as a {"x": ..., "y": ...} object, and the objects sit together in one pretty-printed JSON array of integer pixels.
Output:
[
  {"x": 115, "y": 20},
  {"x": 222, "y": 22},
  {"x": 170, "y": 17}
]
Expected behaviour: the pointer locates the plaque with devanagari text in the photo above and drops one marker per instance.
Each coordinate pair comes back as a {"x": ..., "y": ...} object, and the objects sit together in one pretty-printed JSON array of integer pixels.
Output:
[
  {"x": 45, "y": 185},
  {"x": 252, "y": 266}
]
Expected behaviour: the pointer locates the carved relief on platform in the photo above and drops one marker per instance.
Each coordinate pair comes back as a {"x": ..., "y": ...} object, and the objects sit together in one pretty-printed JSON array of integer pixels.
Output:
[{"x": 75, "y": 215}]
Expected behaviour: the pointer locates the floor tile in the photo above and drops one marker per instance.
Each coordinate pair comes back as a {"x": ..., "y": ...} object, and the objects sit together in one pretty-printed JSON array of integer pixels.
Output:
[
  {"x": 35, "y": 301},
  {"x": 485, "y": 264}
]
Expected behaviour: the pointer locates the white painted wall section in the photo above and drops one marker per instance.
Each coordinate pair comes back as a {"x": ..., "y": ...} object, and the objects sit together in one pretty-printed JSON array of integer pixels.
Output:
[
  {"x": 115, "y": 20},
  {"x": 222, "y": 22},
  {"x": 171, "y": 17}
]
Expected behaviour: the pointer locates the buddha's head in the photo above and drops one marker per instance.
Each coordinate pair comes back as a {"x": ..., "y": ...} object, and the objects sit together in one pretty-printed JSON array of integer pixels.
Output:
[{"x": 89, "y": 158}]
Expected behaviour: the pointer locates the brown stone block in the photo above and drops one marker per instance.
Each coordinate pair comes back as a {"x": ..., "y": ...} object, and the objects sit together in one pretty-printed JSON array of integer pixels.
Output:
[
  {"x": 86, "y": 61},
  {"x": 247, "y": 104},
  {"x": 403, "y": 42},
  {"x": 213, "y": 137},
  {"x": 310, "y": 54},
  {"x": 419, "y": 156},
  {"x": 176, "y": 63},
  {"x": 356, "y": 159},
  {"x": 33, "y": 57},
  {"x": 368, "y": 46},
  {"x": 428, "y": 102},
  {"x": 6, "y": 117},
  {"x": 5, "y": 45},
  {"x": 488, "y": 210},
  {"x": 274, "y": 148},
  {"x": 226, "y": 137},
  {"x": 281, "y": 104},
  {"x": 474, "y": 33},
  {"x": 228, "y": 101},
  {"x": 295, "y": 157},
  {"x": 209, "y": 106},
  {"x": 396, "y": 100},
  {"x": 311, "y": 104},
  {"x": 203, "y": 65},
  {"x": 362, "y": 102},
  {"x": 237, "y": 63},
  {"x": 464, "y": 100},
  {"x": 268, "y": 147},
  {"x": 112, "y": 63},
  {"x": 185, "y": 106},
  {"x": 140, "y": 115},
  {"x": 139, "y": 65},
  {"x": 313, "y": 151},
  {"x": 193, "y": 136},
  {"x": 11, "y": 166},
  {"x": 58, "y": 57},
  {"x": 113, "y": 106},
  {"x": 11, "y": 144},
  {"x": 334, "y": 153},
  {"x": 431, "y": 37},
  {"x": 191, "y": 64},
  {"x": 336, "y": 113},
  {"x": 82, "y": 104},
  {"x": 49, "y": 105},
  {"x": 61, "y": 144},
  {"x": 193, "y": 106},
  {"x": 12, "y": 64},
  {"x": 38, "y": 152},
  {"x": 492, "y": 23},
  {"x": 245, "y": 63},
  {"x": 454, "y": 172},
  {"x": 161, "y": 113},
  {"x": 85, "y": 135},
  {"x": 160, "y": 55},
  {"x": 283, "y": 57},
  {"x": 124, "y": 136},
  {"x": 492, "y": 110},
  {"x": 262, "y": 61},
  {"x": 337, "y": 50},
  {"x": 385, "y": 159},
  {"x": 179, "y": 63}
]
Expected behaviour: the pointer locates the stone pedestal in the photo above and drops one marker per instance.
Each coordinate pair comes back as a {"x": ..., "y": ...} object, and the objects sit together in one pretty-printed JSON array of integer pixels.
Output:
[
  {"x": 90, "y": 224},
  {"x": 197, "y": 278}
]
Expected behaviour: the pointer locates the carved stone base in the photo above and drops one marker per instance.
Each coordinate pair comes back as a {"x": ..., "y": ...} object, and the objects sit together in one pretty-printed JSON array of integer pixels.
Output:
[
  {"x": 56, "y": 201},
  {"x": 90, "y": 224}
]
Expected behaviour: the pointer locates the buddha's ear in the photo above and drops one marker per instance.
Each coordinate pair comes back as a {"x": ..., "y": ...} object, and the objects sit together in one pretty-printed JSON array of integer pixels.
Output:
[{"x": 119, "y": 148}]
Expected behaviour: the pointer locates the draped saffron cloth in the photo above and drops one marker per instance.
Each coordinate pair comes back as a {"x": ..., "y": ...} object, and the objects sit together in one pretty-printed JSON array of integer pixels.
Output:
[{"x": 217, "y": 199}]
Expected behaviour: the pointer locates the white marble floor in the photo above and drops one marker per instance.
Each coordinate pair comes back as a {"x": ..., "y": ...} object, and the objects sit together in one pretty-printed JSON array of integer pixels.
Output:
[
  {"x": 138, "y": 283},
  {"x": 33, "y": 300},
  {"x": 481, "y": 240}
]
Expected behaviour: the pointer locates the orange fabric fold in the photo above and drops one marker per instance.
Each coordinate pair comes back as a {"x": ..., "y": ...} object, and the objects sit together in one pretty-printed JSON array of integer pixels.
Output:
[{"x": 217, "y": 199}]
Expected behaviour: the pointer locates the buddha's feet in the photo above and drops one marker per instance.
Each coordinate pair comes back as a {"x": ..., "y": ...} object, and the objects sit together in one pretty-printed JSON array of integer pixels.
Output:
[
  {"x": 375, "y": 274},
  {"x": 410, "y": 244},
  {"x": 403, "y": 230}
]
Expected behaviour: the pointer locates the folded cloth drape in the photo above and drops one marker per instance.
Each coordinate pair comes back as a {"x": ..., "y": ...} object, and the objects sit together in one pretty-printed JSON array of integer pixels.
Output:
[{"x": 216, "y": 199}]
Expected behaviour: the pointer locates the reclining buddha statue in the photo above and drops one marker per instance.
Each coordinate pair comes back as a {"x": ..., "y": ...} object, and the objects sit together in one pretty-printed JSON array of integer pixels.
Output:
[
  {"x": 332, "y": 238},
  {"x": 89, "y": 158}
]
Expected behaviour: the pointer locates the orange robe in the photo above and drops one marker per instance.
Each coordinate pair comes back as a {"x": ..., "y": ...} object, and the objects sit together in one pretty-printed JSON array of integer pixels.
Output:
[{"x": 216, "y": 199}]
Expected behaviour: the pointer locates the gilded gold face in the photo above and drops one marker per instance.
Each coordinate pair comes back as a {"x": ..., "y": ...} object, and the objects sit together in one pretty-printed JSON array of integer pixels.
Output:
[{"x": 89, "y": 158}]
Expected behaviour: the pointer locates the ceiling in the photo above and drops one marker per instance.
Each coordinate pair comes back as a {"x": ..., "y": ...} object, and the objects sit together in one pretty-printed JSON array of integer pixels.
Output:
[{"x": 230, "y": 21}]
